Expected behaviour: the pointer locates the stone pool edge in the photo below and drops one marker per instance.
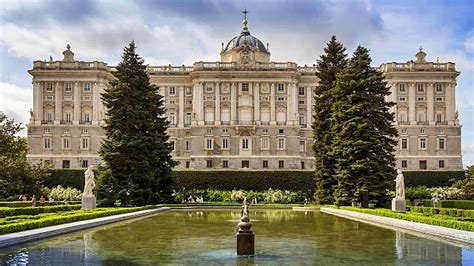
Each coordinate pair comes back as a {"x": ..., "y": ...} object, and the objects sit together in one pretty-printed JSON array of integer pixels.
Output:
[
  {"x": 45, "y": 232},
  {"x": 460, "y": 236}
]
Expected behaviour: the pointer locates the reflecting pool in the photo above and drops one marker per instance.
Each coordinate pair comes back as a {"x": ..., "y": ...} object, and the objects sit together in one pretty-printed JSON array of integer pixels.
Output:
[{"x": 207, "y": 237}]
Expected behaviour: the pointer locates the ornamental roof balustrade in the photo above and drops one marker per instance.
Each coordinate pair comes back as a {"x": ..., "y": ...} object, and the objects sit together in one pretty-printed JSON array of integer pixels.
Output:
[
  {"x": 64, "y": 65},
  {"x": 413, "y": 66}
]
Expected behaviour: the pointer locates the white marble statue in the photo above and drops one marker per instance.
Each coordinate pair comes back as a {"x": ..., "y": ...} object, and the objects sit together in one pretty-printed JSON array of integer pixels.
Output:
[
  {"x": 89, "y": 182},
  {"x": 399, "y": 186}
]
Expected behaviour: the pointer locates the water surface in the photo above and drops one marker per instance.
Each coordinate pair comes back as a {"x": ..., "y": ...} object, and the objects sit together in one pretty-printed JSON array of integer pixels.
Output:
[{"x": 207, "y": 237}]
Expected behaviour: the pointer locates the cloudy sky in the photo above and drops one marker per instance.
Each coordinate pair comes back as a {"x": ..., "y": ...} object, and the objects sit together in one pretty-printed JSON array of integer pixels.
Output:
[{"x": 177, "y": 32}]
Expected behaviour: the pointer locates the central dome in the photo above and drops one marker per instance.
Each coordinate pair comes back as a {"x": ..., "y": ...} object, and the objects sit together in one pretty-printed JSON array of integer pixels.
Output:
[{"x": 248, "y": 39}]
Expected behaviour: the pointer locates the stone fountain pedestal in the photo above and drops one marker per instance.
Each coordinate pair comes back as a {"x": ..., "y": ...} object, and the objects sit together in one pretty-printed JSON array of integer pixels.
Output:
[{"x": 245, "y": 236}]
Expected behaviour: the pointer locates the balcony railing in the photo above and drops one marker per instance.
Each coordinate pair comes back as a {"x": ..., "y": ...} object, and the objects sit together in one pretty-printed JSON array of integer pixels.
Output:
[
  {"x": 441, "y": 122},
  {"x": 208, "y": 123},
  {"x": 422, "y": 122},
  {"x": 265, "y": 123},
  {"x": 85, "y": 122},
  {"x": 225, "y": 123},
  {"x": 414, "y": 66},
  {"x": 65, "y": 122},
  {"x": 281, "y": 123},
  {"x": 45, "y": 122},
  {"x": 303, "y": 125},
  {"x": 403, "y": 122}
]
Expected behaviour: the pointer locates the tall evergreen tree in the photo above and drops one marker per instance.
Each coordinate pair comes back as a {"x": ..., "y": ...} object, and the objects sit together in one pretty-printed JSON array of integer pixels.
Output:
[
  {"x": 364, "y": 136},
  {"x": 329, "y": 65},
  {"x": 136, "y": 150}
]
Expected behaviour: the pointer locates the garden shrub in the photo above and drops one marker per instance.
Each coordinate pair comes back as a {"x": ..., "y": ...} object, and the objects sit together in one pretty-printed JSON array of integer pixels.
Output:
[
  {"x": 4, "y": 212},
  {"x": 432, "y": 178},
  {"x": 73, "y": 178},
  {"x": 61, "y": 193}
]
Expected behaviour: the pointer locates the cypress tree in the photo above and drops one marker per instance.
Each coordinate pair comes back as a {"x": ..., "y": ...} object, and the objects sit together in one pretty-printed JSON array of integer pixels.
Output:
[
  {"x": 329, "y": 65},
  {"x": 363, "y": 131},
  {"x": 136, "y": 150}
]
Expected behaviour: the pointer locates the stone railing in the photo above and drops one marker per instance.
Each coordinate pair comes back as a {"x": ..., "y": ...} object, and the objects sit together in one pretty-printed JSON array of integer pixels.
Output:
[
  {"x": 70, "y": 65},
  {"x": 413, "y": 66}
]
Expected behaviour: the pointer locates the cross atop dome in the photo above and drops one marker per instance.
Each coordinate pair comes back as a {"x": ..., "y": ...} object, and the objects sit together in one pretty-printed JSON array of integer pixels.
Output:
[{"x": 245, "y": 21}]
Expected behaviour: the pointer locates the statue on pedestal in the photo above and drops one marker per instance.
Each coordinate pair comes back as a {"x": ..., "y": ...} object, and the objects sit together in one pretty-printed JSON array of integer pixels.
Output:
[
  {"x": 88, "y": 198},
  {"x": 398, "y": 203},
  {"x": 245, "y": 235}
]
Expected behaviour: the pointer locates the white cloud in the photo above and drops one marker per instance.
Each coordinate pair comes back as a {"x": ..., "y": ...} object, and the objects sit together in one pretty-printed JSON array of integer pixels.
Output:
[
  {"x": 469, "y": 43},
  {"x": 15, "y": 102}
]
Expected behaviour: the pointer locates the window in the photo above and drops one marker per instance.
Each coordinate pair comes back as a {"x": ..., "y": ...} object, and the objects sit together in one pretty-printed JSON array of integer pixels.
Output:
[
  {"x": 441, "y": 144},
  {"x": 439, "y": 117},
  {"x": 209, "y": 163},
  {"x": 49, "y": 98},
  {"x": 265, "y": 143},
  {"x": 173, "y": 146},
  {"x": 439, "y": 99},
  {"x": 225, "y": 143},
  {"x": 401, "y": 87},
  {"x": 302, "y": 165},
  {"x": 224, "y": 130},
  {"x": 422, "y": 144},
  {"x": 225, "y": 164},
  {"x": 280, "y": 131},
  {"x": 47, "y": 130},
  {"x": 187, "y": 143},
  {"x": 439, "y": 87},
  {"x": 209, "y": 144},
  {"x": 441, "y": 163},
  {"x": 402, "y": 99},
  {"x": 188, "y": 164},
  {"x": 172, "y": 90},
  {"x": 404, "y": 164},
  {"x": 84, "y": 163},
  {"x": 49, "y": 86},
  {"x": 301, "y": 91},
  {"x": 301, "y": 120},
  {"x": 209, "y": 89},
  {"x": 403, "y": 131},
  {"x": 281, "y": 164},
  {"x": 188, "y": 90},
  {"x": 66, "y": 164},
  {"x": 87, "y": 87},
  {"x": 187, "y": 119},
  {"x": 68, "y": 117},
  {"x": 422, "y": 131},
  {"x": 264, "y": 164},
  {"x": 47, "y": 143},
  {"x": 245, "y": 164},
  {"x": 302, "y": 146},
  {"x": 85, "y": 131},
  {"x": 265, "y": 130},
  {"x": 85, "y": 143},
  {"x": 245, "y": 87},
  {"x": 281, "y": 87},
  {"x": 68, "y": 87},
  {"x": 245, "y": 144},
  {"x": 300, "y": 102},
  {"x": 209, "y": 131},
  {"x": 66, "y": 131},
  {"x": 423, "y": 165},
  {"x": 172, "y": 119},
  {"x": 66, "y": 143},
  {"x": 87, "y": 117},
  {"x": 404, "y": 144},
  {"x": 49, "y": 117},
  {"x": 420, "y": 87},
  {"x": 420, "y": 99},
  {"x": 281, "y": 144}
]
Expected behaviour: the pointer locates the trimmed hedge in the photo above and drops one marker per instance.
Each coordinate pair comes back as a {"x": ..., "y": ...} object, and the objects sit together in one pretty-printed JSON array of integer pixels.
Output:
[
  {"x": 457, "y": 204},
  {"x": 432, "y": 178},
  {"x": 19, "y": 204},
  {"x": 258, "y": 180},
  {"x": 413, "y": 217},
  {"x": 246, "y": 180},
  {"x": 4, "y": 212},
  {"x": 65, "y": 177},
  {"x": 444, "y": 211},
  {"x": 66, "y": 218}
]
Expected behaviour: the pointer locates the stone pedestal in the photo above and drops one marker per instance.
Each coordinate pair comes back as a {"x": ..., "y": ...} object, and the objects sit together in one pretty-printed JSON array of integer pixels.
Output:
[
  {"x": 245, "y": 243},
  {"x": 88, "y": 202},
  {"x": 399, "y": 205}
]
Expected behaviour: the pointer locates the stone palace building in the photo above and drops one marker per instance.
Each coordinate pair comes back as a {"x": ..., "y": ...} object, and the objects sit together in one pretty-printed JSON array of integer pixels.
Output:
[{"x": 244, "y": 111}]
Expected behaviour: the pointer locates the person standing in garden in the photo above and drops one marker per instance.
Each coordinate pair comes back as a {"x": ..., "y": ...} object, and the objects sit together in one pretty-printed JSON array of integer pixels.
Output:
[
  {"x": 435, "y": 200},
  {"x": 33, "y": 201},
  {"x": 42, "y": 200}
]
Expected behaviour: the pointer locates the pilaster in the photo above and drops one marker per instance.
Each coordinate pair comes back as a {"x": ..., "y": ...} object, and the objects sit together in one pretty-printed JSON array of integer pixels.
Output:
[
  {"x": 77, "y": 103},
  {"x": 309, "y": 110},
  {"x": 181, "y": 106},
  {"x": 256, "y": 97},
  {"x": 217, "y": 120},
  {"x": 430, "y": 103},
  {"x": 57, "y": 103},
  {"x": 233, "y": 104},
  {"x": 412, "y": 104},
  {"x": 272, "y": 104}
]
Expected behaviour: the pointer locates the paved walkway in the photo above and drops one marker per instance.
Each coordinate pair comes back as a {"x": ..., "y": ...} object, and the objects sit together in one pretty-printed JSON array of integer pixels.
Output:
[
  {"x": 36, "y": 234},
  {"x": 460, "y": 236}
]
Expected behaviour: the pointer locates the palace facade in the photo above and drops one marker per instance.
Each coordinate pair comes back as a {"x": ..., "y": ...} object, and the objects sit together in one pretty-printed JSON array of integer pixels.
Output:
[{"x": 244, "y": 111}]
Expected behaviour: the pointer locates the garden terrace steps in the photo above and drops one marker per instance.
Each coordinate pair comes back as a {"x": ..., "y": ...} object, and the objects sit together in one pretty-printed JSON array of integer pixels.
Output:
[{"x": 420, "y": 229}]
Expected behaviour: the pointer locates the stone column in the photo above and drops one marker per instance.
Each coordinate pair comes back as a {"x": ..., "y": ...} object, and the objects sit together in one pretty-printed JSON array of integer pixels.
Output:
[
  {"x": 450, "y": 103},
  {"x": 393, "y": 98},
  {"x": 200, "y": 114},
  {"x": 290, "y": 104},
  {"x": 58, "y": 103},
  {"x": 430, "y": 104},
  {"x": 77, "y": 103},
  {"x": 412, "y": 104},
  {"x": 95, "y": 103},
  {"x": 38, "y": 102},
  {"x": 233, "y": 104},
  {"x": 181, "y": 106},
  {"x": 195, "y": 103},
  {"x": 217, "y": 118},
  {"x": 256, "y": 104},
  {"x": 272, "y": 104},
  {"x": 309, "y": 105}
]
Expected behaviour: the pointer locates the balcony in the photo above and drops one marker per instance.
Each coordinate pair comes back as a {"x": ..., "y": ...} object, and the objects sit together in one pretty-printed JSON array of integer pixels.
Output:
[
  {"x": 85, "y": 122},
  {"x": 172, "y": 125},
  {"x": 441, "y": 122},
  {"x": 208, "y": 123},
  {"x": 403, "y": 122},
  {"x": 225, "y": 123},
  {"x": 422, "y": 122},
  {"x": 66, "y": 122},
  {"x": 304, "y": 125},
  {"x": 265, "y": 123},
  {"x": 414, "y": 66},
  {"x": 47, "y": 122},
  {"x": 281, "y": 123}
]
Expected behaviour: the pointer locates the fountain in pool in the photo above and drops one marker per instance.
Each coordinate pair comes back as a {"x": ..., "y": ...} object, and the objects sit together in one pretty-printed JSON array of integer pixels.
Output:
[{"x": 245, "y": 235}]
